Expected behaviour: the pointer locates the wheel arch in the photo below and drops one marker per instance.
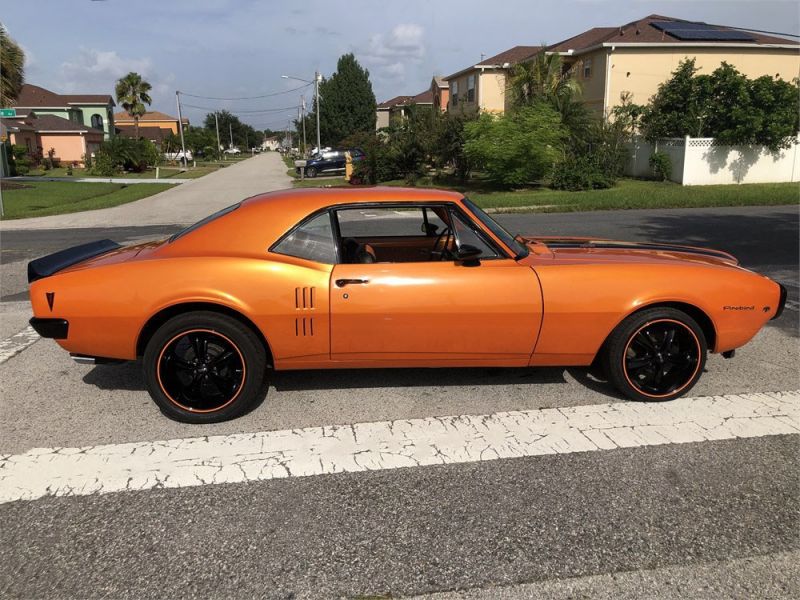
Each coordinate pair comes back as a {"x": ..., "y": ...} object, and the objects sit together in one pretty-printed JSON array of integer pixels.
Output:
[
  {"x": 698, "y": 314},
  {"x": 165, "y": 314}
]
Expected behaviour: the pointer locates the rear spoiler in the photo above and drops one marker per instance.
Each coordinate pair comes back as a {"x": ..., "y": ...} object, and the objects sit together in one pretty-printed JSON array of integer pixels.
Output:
[{"x": 53, "y": 263}]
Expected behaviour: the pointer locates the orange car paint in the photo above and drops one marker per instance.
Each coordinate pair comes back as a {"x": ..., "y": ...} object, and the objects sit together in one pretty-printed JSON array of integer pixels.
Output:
[{"x": 554, "y": 307}]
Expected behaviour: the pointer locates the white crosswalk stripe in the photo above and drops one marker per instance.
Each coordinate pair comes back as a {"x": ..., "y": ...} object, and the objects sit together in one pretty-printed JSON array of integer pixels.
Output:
[
  {"x": 392, "y": 444},
  {"x": 12, "y": 346}
]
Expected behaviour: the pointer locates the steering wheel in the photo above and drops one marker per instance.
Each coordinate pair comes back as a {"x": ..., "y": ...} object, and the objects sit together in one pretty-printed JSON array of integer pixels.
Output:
[{"x": 444, "y": 253}]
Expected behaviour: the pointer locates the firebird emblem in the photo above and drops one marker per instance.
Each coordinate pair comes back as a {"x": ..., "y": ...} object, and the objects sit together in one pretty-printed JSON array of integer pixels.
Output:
[
  {"x": 51, "y": 297},
  {"x": 728, "y": 307}
]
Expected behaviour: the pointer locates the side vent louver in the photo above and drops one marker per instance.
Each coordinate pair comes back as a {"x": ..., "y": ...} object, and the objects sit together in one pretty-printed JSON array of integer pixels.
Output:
[{"x": 304, "y": 302}]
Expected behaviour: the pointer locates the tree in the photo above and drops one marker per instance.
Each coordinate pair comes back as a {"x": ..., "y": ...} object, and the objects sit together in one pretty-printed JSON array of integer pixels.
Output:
[
  {"x": 133, "y": 93},
  {"x": 447, "y": 143},
  {"x": 725, "y": 105},
  {"x": 244, "y": 135},
  {"x": 12, "y": 68},
  {"x": 545, "y": 78},
  {"x": 347, "y": 103},
  {"x": 518, "y": 147}
]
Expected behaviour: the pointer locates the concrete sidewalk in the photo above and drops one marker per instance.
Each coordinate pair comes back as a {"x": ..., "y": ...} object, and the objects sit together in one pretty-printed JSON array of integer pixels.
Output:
[
  {"x": 122, "y": 180},
  {"x": 184, "y": 204}
]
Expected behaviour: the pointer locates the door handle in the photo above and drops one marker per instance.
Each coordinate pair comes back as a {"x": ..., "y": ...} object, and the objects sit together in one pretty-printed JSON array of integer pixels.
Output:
[{"x": 344, "y": 282}]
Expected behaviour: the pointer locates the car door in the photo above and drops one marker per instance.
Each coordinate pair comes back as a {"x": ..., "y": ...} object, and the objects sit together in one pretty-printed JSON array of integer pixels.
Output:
[{"x": 439, "y": 311}]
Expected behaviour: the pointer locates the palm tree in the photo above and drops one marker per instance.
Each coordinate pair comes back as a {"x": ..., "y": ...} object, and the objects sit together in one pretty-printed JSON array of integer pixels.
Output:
[
  {"x": 132, "y": 94},
  {"x": 12, "y": 68},
  {"x": 543, "y": 77}
]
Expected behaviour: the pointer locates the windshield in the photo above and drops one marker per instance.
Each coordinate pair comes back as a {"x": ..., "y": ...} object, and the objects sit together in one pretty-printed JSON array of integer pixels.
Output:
[
  {"x": 519, "y": 249},
  {"x": 202, "y": 222}
]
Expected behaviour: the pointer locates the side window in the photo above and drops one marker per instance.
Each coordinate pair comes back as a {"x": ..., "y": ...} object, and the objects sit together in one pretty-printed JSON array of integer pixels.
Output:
[
  {"x": 313, "y": 240},
  {"x": 466, "y": 235},
  {"x": 388, "y": 222}
]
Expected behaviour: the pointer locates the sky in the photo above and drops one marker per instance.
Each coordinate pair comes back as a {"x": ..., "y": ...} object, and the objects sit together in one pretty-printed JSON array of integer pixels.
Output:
[{"x": 240, "y": 48}]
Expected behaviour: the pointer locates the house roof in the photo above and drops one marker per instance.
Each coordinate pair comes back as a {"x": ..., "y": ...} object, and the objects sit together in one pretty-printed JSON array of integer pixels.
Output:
[
  {"x": 511, "y": 56},
  {"x": 49, "y": 124},
  {"x": 425, "y": 97},
  {"x": 15, "y": 125},
  {"x": 645, "y": 31},
  {"x": 396, "y": 101},
  {"x": 439, "y": 81},
  {"x": 151, "y": 115},
  {"x": 151, "y": 132},
  {"x": 33, "y": 96}
]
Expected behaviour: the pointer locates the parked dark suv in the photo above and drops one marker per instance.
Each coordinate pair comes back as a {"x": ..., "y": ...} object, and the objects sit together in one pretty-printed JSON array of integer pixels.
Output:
[{"x": 331, "y": 161}]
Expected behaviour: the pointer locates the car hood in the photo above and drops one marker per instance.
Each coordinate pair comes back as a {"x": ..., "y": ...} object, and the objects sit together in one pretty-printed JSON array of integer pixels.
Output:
[{"x": 572, "y": 249}]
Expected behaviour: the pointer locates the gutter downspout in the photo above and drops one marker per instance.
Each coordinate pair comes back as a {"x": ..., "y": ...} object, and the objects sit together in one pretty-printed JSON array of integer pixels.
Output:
[{"x": 607, "y": 86}]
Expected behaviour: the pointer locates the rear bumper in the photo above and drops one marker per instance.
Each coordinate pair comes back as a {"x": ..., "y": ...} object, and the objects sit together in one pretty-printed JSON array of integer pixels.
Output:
[
  {"x": 56, "y": 329},
  {"x": 781, "y": 303}
]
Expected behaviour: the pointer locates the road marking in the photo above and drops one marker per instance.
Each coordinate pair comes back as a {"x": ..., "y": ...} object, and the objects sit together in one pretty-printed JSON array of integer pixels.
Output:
[
  {"x": 391, "y": 444},
  {"x": 17, "y": 343}
]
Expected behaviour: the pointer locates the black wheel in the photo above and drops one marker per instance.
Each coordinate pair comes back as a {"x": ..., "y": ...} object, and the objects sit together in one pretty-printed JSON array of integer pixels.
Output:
[
  {"x": 655, "y": 355},
  {"x": 311, "y": 172},
  {"x": 203, "y": 367}
]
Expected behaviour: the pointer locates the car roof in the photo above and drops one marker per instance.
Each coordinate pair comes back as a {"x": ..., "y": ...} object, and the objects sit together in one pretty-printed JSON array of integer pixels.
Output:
[{"x": 260, "y": 220}]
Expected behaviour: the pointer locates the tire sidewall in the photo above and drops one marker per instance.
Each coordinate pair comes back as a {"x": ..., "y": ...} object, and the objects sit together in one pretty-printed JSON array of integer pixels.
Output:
[
  {"x": 618, "y": 343},
  {"x": 245, "y": 340}
]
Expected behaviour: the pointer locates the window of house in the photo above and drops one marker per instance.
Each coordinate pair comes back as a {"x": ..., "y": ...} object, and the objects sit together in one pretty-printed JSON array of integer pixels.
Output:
[
  {"x": 97, "y": 121},
  {"x": 454, "y": 93},
  {"x": 312, "y": 240},
  {"x": 587, "y": 68},
  {"x": 471, "y": 88}
]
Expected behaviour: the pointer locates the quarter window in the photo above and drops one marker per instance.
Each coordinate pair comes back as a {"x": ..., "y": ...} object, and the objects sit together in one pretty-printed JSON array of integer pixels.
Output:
[{"x": 313, "y": 240}]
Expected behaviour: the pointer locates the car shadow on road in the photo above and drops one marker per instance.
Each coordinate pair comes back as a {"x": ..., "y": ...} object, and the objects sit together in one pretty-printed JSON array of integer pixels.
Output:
[{"x": 128, "y": 376}]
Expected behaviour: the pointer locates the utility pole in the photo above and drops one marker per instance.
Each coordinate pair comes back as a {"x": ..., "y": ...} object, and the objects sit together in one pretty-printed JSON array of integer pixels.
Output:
[
  {"x": 180, "y": 126},
  {"x": 216, "y": 122},
  {"x": 303, "y": 120},
  {"x": 317, "y": 77},
  {"x": 230, "y": 130}
]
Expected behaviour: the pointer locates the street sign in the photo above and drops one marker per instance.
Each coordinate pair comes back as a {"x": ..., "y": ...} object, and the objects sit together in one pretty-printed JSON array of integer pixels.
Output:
[{"x": 8, "y": 112}]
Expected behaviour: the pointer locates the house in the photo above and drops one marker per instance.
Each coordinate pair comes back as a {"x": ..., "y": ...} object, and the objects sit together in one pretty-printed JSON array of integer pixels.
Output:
[
  {"x": 397, "y": 107},
  {"x": 482, "y": 86},
  {"x": 153, "y": 119},
  {"x": 271, "y": 143},
  {"x": 91, "y": 111},
  {"x": 441, "y": 93},
  {"x": 69, "y": 141},
  {"x": 638, "y": 56}
]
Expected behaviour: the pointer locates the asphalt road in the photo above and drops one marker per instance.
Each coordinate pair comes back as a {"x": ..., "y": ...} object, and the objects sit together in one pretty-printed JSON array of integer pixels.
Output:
[{"x": 695, "y": 520}]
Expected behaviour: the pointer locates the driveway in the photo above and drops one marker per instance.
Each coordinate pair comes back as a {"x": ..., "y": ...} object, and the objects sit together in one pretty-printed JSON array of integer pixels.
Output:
[{"x": 184, "y": 204}]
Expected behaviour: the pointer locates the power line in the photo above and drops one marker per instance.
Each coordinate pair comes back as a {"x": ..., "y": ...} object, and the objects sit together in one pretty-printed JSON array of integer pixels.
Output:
[
  {"x": 241, "y": 112},
  {"x": 249, "y": 97}
]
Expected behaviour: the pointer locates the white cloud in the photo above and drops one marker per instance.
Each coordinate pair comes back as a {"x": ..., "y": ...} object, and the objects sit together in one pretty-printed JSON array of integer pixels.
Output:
[
  {"x": 96, "y": 71},
  {"x": 390, "y": 54}
]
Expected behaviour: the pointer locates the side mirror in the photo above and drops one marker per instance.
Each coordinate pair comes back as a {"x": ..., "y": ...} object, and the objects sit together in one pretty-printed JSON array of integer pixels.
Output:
[{"x": 468, "y": 255}]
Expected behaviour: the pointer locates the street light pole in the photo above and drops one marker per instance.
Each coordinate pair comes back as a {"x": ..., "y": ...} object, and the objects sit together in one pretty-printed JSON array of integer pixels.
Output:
[
  {"x": 303, "y": 119},
  {"x": 317, "y": 77},
  {"x": 180, "y": 127},
  {"x": 216, "y": 122}
]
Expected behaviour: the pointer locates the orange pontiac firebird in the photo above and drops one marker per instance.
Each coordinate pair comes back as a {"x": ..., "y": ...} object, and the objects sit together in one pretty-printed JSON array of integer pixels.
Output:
[{"x": 388, "y": 277}]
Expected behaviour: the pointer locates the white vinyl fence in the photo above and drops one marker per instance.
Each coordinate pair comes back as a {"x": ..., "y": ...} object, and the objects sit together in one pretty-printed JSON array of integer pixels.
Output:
[{"x": 699, "y": 161}]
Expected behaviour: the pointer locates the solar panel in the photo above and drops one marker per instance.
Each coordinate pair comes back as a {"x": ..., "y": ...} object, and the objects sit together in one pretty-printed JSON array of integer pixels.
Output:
[{"x": 701, "y": 31}]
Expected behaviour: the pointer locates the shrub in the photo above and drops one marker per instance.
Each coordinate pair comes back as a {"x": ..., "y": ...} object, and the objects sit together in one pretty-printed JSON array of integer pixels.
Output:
[
  {"x": 661, "y": 164},
  {"x": 125, "y": 154},
  {"x": 516, "y": 148},
  {"x": 580, "y": 173}
]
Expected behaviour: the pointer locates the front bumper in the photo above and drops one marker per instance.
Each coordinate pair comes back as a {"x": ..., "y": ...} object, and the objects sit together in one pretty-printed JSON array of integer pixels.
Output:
[
  {"x": 781, "y": 303},
  {"x": 56, "y": 329}
]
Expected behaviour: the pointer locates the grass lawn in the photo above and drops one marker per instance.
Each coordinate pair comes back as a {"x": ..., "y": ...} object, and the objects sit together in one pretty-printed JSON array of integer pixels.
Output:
[
  {"x": 628, "y": 193},
  {"x": 37, "y": 199}
]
